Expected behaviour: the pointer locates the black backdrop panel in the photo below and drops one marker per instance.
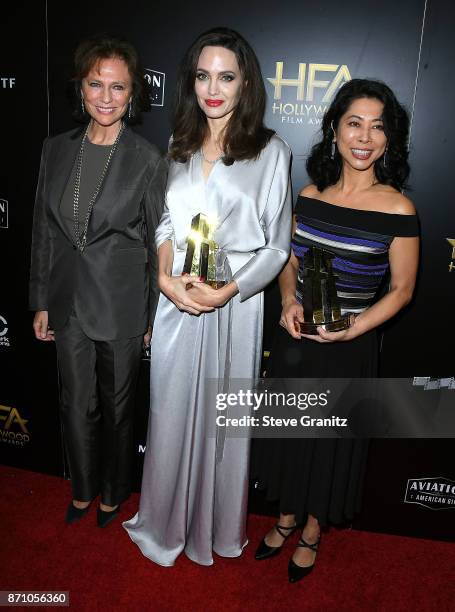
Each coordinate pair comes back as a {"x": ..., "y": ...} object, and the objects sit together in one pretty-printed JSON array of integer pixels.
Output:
[
  {"x": 29, "y": 423},
  {"x": 409, "y": 491},
  {"x": 428, "y": 325},
  {"x": 321, "y": 45},
  {"x": 426, "y": 330}
]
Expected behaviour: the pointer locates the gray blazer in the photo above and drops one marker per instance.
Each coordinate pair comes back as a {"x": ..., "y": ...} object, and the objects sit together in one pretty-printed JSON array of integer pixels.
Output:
[{"x": 111, "y": 285}]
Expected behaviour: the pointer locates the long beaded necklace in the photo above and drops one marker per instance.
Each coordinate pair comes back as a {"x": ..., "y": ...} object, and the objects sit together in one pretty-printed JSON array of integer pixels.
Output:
[{"x": 81, "y": 238}]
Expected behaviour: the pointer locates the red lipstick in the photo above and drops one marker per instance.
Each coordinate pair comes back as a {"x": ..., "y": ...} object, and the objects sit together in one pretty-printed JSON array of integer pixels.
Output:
[{"x": 214, "y": 103}]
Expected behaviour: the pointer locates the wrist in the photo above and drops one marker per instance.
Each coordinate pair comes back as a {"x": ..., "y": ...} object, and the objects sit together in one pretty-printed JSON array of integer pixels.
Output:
[
  {"x": 227, "y": 292},
  {"x": 356, "y": 329},
  {"x": 163, "y": 280},
  {"x": 288, "y": 299}
]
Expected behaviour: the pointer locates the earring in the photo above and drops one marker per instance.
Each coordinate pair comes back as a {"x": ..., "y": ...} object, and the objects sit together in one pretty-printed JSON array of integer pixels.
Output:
[
  {"x": 129, "y": 110},
  {"x": 82, "y": 106},
  {"x": 384, "y": 158},
  {"x": 334, "y": 147}
]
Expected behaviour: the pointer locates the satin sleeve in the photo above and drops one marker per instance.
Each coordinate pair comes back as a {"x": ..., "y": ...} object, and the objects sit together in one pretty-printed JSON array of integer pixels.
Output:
[
  {"x": 268, "y": 261},
  {"x": 165, "y": 229}
]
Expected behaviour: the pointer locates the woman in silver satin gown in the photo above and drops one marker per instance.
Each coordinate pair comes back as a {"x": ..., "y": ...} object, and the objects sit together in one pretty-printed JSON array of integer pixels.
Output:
[{"x": 226, "y": 164}]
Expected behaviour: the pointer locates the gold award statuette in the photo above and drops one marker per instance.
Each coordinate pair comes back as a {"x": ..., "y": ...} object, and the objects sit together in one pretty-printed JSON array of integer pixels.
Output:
[
  {"x": 203, "y": 257},
  {"x": 321, "y": 307}
]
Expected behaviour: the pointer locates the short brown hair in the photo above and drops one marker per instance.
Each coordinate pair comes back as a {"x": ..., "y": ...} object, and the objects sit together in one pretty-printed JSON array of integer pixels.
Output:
[{"x": 105, "y": 46}]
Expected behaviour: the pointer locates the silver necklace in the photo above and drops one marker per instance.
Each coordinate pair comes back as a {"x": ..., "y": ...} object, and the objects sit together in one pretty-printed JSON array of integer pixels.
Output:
[
  {"x": 211, "y": 161},
  {"x": 81, "y": 238}
]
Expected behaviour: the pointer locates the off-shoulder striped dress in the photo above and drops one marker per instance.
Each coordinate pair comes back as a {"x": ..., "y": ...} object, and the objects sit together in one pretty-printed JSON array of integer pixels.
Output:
[{"x": 323, "y": 477}]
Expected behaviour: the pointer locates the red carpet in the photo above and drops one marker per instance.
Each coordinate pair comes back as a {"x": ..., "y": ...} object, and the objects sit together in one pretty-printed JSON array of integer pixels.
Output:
[{"x": 103, "y": 569}]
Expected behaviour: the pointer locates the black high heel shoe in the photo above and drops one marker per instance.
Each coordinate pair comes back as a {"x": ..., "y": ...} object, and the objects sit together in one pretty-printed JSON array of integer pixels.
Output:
[
  {"x": 74, "y": 514},
  {"x": 296, "y": 572},
  {"x": 104, "y": 517},
  {"x": 264, "y": 551}
]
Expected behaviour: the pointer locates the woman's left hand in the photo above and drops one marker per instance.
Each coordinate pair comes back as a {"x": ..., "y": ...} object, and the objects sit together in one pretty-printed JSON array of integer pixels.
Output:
[
  {"x": 204, "y": 294},
  {"x": 148, "y": 336},
  {"x": 345, "y": 335}
]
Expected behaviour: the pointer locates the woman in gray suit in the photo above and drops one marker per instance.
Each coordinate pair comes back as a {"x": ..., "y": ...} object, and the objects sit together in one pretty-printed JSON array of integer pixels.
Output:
[{"x": 93, "y": 273}]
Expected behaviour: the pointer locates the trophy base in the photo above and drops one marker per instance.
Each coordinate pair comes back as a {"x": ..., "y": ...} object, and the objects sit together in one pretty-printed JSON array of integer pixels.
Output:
[
  {"x": 216, "y": 284},
  {"x": 213, "y": 283},
  {"x": 310, "y": 328}
]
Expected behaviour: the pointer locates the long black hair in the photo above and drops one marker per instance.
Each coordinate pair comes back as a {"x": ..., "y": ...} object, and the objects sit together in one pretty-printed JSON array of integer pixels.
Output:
[
  {"x": 325, "y": 171},
  {"x": 245, "y": 135}
]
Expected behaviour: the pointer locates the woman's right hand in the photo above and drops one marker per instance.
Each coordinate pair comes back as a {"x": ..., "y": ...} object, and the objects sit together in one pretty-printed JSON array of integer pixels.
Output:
[
  {"x": 175, "y": 288},
  {"x": 291, "y": 317},
  {"x": 41, "y": 326}
]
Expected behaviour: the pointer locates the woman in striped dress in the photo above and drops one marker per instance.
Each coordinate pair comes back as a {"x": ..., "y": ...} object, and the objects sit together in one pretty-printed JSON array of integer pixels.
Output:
[{"x": 354, "y": 210}]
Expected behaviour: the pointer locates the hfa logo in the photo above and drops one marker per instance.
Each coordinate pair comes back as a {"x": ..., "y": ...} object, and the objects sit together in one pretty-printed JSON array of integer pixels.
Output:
[
  {"x": 13, "y": 428},
  {"x": 156, "y": 81},
  {"x": 3, "y": 213},
  {"x": 4, "y": 340},
  {"x": 305, "y": 87}
]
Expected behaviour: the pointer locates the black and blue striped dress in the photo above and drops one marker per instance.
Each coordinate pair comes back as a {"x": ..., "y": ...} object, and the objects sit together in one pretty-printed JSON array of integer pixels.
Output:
[
  {"x": 359, "y": 240},
  {"x": 323, "y": 477}
]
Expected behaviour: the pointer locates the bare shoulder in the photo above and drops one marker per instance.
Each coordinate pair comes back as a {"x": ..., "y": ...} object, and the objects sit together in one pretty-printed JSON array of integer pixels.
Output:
[
  {"x": 389, "y": 200},
  {"x": 310, "y": 191},
  {"x": 398, "y": 204}
]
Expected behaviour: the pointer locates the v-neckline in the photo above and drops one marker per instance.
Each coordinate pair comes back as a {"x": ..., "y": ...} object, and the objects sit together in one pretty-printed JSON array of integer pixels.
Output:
[{"x": 201, "y": 166}]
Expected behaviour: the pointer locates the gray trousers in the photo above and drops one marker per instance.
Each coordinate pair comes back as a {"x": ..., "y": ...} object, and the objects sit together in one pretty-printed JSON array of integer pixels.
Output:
[{"x": 98, "y": 383}]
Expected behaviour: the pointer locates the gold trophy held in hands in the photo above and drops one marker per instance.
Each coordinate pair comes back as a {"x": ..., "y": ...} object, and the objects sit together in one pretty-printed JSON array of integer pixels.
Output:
[
  {"x": 321, "y": 307},
  {"x": 204, "y": 258}
]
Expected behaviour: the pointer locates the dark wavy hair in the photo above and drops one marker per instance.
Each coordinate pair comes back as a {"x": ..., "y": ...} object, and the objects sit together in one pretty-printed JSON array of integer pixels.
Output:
[
  {"x": 245, "y": 134},
  {"x": 325, "y": 171},
  {"x": 105, "y": 46}
]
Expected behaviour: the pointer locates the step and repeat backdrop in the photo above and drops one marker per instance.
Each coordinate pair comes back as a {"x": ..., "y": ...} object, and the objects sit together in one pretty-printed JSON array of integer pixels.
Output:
[{"x": 307, "y": 50}]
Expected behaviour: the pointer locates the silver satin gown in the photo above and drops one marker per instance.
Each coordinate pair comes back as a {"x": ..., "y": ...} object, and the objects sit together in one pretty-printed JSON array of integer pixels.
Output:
[{"x": 194, "y": 487}]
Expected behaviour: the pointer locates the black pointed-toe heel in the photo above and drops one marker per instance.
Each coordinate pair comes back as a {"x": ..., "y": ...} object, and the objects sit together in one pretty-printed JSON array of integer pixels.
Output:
[
  {"x": 296, "y": 572},
  {"x": 103, "y": 517},
  {"x": 74, "y": 514},
  {"x": 264, "y": 551}
]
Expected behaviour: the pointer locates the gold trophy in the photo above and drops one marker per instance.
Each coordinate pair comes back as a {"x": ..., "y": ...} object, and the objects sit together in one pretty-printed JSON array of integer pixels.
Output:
[
  {"x": 321, "y": 307},
  {"x": 203, "y": 256}
]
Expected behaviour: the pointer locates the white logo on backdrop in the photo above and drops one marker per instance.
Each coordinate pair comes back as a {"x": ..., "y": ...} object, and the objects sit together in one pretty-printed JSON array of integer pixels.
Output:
[
  {"x": 4, "y": 340},
  {"x": 7, "y": 82},
  {"x": 156, "y": 80},
  {"x": 430, "y": 384},
  {"x": 3, "y": 213},
  {"x": 434, "y": 493}
]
